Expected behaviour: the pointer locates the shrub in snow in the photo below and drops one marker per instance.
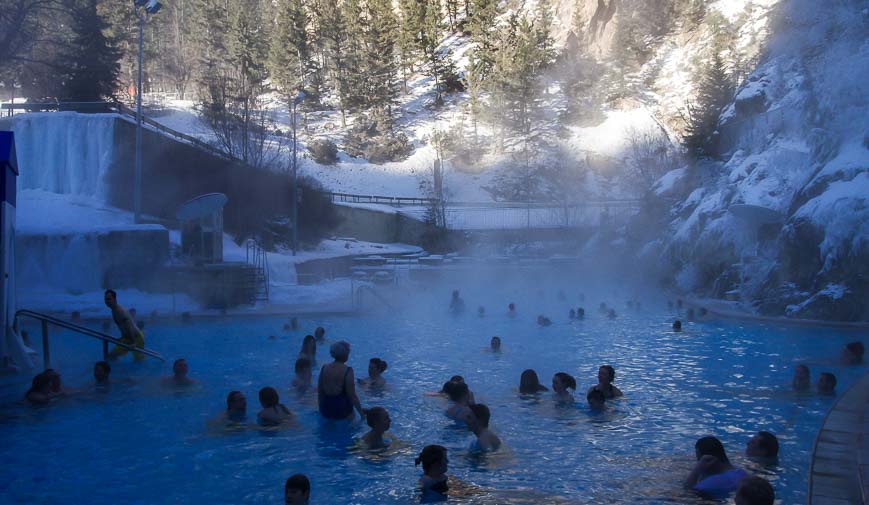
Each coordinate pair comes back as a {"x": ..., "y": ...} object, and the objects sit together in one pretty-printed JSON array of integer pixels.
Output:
[
  {"x": 376, "y": 141},
  {"x": 323, "y": 151}
]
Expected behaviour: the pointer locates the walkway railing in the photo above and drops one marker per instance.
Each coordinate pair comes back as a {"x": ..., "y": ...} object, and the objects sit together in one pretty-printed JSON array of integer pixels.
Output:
[
  {"x": 106, "y": 339},
  {"x": 256, "y": 256}
]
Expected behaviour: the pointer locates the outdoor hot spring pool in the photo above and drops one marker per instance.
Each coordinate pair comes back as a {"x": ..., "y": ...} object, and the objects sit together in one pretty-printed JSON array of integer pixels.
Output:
[{"x": 142, "y": 443}]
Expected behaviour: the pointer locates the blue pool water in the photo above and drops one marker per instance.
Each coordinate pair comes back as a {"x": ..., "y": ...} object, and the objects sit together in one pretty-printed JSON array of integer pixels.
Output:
[{"x": 142, "y": 443}]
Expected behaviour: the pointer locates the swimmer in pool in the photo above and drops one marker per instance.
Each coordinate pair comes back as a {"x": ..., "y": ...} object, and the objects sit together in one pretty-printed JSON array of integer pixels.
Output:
[
  {"x": 529, "y": 384},
  {"x": 596, "y": 400},
  {"x": 606, "y": 374},
  {"x": 714, "y": 474},
  {"x": 57, "y": 388},
  {"x": 457, "y": 305},
  {"x": 40, "y": 390},
  {"x": 561, "y": 382},
  {"x": 379, "y": 422},
  {"x": 477, "y": 420},
  {"x": 375, "y": 380},
  {"x": 179, "y": 374},
  {"x": 763, "y": 448},
  {"x": 754, "y": 491},
  {"x": 611, "y": 314},
  {"x": 273, "y": 412},
  {"x": 572, "y": 314},
  {"x": 495, "y": 344},
  {"x": 852, "y": 353},
  {"x": 309, "y": 349},
  {"x": 236, "y": 407},
  {"x": 130, "y": 333},
  {"x": 320, "y": 334},
  {"x": 301, "y": 383},
  {"x": 434, "y": 468},
  {"x": 543, "y": 320},
  {"x": 460, "y": 396},
  {"x": 336, "y": 387},
  {"x": 827, "y": 383},
  {"x": 101, "y": 373},
  {"x": 511, "y": 310},
  {"x": 443, "y": 391},
  {"x": 297, "y": 490},
  {"x": 802, "y": 378},
  {"x": 677, "y": 325},
  {"x": 580, "y": 313},
  {"x": 481, "y": 311}
]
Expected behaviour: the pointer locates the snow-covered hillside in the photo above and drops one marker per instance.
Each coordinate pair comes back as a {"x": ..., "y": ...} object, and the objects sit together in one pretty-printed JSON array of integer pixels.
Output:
[{"x": 796, "y": 141}]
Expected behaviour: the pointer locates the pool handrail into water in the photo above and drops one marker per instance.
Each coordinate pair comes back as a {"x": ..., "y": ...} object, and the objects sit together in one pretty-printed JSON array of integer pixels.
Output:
[{"x": 45, "y": 319}]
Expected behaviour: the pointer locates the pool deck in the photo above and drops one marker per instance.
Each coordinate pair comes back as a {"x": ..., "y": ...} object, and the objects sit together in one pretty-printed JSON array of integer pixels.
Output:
[{"x": 839, "y": 472}]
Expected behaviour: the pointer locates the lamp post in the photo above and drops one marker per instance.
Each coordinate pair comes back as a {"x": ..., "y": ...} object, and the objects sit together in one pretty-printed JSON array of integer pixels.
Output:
[
  {"x": 150, "y": 7},
  {"x": 296, "y": 101}
]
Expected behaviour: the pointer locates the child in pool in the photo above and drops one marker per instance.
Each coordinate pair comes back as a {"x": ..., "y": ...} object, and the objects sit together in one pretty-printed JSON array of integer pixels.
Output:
[
  {"x": 375, "y": 380},
  {"x": 302, "y": 381},
  {"x": 297, "y": 490},
  {"x": 434, "y": 467},
  {"x": 561, "y": 382},
  {"x": 379, "y": 422},
  {"x": 478, "y": 422},
  {"x": 459, "y": 394},
  {"x": 274, "y": 412}
]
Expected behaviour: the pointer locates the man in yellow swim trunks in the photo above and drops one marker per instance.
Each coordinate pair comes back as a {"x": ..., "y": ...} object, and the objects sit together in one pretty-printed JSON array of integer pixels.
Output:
[{"x": 130, "y": 333}]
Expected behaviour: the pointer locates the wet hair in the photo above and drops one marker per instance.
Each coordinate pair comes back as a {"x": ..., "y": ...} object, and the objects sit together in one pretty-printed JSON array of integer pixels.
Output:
[
  {"x": 379, "y": 363},
  {"x": 232, "y": 395},
  {"x": 456, "y": 390},
  {"x": 309, "y": 344},
  {"x": 104, "y": 365},
  {"x": 857, "y": 350},
  {"x": 711, "y": 446},
  {"x": 298, "y": 482},
  {"x": 828, "y": 378},
  {"x": 177, "y": 361},
  {"x": 567, "y": 379},
  {"x": 596, "y": 395},
  {"x": 529, "y": 383},
  {"x": 430, "y": 455},
  {"x": 455, "y": 293},
  {"x": 268, "y": 396},
  {"x": 511, "y": 306},
  {"x": 40, "y": 382},
  {"x": 580, "y": 312},
  {"x": 340, "y": 350},
  {"x": 320, "y": 332},
  {"x": 113, "y": 293},
  {"x": 768, "y": 444},
  {"x": 677, "y": 325},
  {"x": 302, "y": 364},
  {"x": 481, "y": 413},
  {"x": 611, "y": 371},
  {"x": 755, "y": 490},
  {"x": 375, "y": 414}
]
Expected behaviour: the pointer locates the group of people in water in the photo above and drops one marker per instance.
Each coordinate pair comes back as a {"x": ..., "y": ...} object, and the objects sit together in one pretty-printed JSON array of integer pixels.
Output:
[{"x": 713, "y": 475}]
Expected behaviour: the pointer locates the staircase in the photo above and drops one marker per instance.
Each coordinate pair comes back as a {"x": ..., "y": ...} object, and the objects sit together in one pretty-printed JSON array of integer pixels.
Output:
[{"x": 258, "y": 279}]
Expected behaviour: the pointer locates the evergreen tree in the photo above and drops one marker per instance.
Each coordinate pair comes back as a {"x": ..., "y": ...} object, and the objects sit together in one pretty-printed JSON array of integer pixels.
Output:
[
  {"x": 333, "y": 41},
  {"x": 209, "y": 38},
  {"x": 411, "y": 13},
  {"x": 289, "y": 57},
  {"x": 381, "y": 34},
  {"x": 93, "y": 58},
  {"x": 714, "y": 91},
  {"x": 543, "y": 29}
]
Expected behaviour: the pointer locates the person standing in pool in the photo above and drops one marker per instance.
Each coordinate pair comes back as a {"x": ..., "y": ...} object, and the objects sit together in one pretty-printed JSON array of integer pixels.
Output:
[
  {"x": 336, "y": 386},
  {"x": 529, "y": 384},
  {"x": 302, "y": 381},
  {"x": 379, "y": 422},
  {"x": 457, "y": 305},
  {"x": 827, "y": 383},
  {"x": 273, "y": 412},
  {"x": 130, "y": 333},
  {"x": 461, "y": 398},
  {"x": 606, "y": 374}
]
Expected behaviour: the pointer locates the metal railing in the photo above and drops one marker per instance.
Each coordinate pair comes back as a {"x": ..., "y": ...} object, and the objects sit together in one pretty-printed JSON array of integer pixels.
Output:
[
  {"x": 256, "y": 256},
  {"x": 106, "y": 339}
]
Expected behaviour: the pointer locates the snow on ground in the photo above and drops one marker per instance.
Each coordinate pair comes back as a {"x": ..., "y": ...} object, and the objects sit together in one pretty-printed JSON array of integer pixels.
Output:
[{"x": 43, "y": 212}]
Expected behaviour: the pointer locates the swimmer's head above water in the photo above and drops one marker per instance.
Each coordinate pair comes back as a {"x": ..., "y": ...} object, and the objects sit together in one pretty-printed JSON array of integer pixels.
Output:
[
  {"x": 677, "y": 325},
  {"x": 802, "y": 378},
  {"x": 376, "y": 367},
  {"x": 180, "y": 368},
  {"x": 378, "y": 419},
  {"x": 495, "y": 343},
  {"x": 827, "y": 383},
  {"x": 529, "y": 383},
  {"x": 297, "y": 490},
  {"x": 596, "y": 399},
  {"x": 763, "y": 445},
  {"x": 433, "y": 459},
  {"x": 236, "y": 403},
  {"x": 101, "y": 372},
  {"x": 562, "y": 381}
]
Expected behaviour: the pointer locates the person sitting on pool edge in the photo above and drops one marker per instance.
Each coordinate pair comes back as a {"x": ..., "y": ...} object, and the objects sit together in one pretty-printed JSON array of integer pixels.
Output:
[
  {"x": 495, "y": 344},
  {"x": 827, "y": 383},
  {"x": 606, "y": 374},
  {"x": 320, "y": 334},
  {"x": 529, "y": 384},
  {"x": 375, "y": 380},
  {"x": 561, "y": 382},
  {"x": 379, "y": 422},
  {"x": 297, "y": 490},
  {"x": 477, "y": 419},
  {"x": 802, "y": 379},
  {"x": 302, "y": 381},
  {"x": 852, "y": 353},
  {"x": 236, "y": 407},
  {"x": 336, "y": 386},
  {"x": 754, "y": 491},
  {"x": 130, "y": 333},
  {"x": 434, "y": 468},
  {"x": 763, "y": 447},
  {"x": 179, "y": 374},
  {"x": 713, "y": 474},
  {"x": 273, "y": 412},
  {"x": 596, "y": 400},
  {"x": 101, "y": 373},
  {"x": 459, "y": 394}
]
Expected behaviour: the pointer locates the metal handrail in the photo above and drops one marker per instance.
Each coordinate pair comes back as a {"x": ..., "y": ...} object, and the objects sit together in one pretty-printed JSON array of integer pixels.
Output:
[{"x": 45, "y": 319}]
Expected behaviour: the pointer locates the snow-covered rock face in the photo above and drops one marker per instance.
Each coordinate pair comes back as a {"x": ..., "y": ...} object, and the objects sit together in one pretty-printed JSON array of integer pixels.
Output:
[{"x": 795, "y": 140}]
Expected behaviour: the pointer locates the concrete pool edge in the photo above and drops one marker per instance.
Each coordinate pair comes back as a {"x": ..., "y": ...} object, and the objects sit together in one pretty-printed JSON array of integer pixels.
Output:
[
  {"x": 726, "y": 309},
  {"x": 839, "y": 467}
]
